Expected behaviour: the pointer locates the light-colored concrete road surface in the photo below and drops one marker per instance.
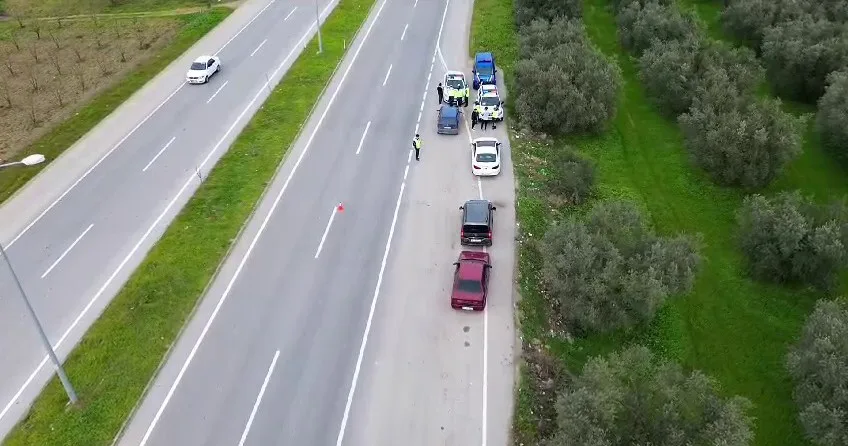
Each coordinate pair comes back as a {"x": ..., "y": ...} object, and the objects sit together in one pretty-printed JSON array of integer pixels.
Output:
[
  {"x": 77, "y": 232},
  {"x": 433, "y": 375},
  {"x": 274, "y": 354}
]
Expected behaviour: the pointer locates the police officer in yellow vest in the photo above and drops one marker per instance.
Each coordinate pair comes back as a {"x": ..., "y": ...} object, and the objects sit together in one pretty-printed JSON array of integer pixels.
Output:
[
  {"x": 416, "y": 144},
  {"x": 466, "y": 93}
]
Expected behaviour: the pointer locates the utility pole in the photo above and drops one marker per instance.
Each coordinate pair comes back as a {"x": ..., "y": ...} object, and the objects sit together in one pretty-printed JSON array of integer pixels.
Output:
[{"x": 318, "y": 25}]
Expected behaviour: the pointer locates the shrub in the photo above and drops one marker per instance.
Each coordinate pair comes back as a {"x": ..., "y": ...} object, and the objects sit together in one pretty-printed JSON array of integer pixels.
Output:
[
  {"x": 673, "y": 71},
  {"x": 568, "y": 88},
  {"x": 788, "y": 239},
  {"x": 612, "y": 271},
  {"x": 543, "y": 35},
  {"x": 572, "y": 177},
  {"x": 749, "y": 19},
  {"x": 738, "y": 139},
  {"x": 819, "y": 366},
  {"x": 618, "y": 5},
  {"x": 633, "y": 398},
  {"x": 832, "y": 116},
  {"x": 641, "y": 26},
  {"x": 528, "y": 10},
  {"x": 801, "y": 53}
]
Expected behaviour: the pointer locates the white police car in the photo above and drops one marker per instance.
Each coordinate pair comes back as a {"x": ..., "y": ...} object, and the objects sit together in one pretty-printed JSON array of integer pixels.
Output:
[
  {"x": 491, "y": 106},
  {"x": 454, "y": 82}
]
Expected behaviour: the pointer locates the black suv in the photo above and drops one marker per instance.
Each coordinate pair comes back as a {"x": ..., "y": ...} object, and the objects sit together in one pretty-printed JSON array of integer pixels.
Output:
[{"x": 478, "y": 219}]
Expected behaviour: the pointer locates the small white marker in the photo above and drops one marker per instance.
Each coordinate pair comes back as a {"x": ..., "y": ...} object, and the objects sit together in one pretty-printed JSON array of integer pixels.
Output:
[
  {"x": 257, "y": 48},
  {"x": 67, "y": 251},
  {"x": 362, "y": 139},
  {"x": 217, "y": 91},
  {"x": 404, "y": 31},
  {"x": 292, "y": 12},
  {"x": 157, "y": 155},
  {"x": 388, "y": 72}
]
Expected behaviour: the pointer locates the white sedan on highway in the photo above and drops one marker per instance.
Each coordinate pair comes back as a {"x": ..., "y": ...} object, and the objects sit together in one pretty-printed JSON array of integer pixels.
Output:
[
  {"x": 485, "y": 156},
  {"x": 202, "y": 69}
]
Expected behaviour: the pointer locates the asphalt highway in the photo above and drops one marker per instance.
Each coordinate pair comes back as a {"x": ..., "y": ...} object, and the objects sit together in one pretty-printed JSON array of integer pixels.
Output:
[
  {"x": 332, "y": 325},
  {"x": 77, "y": 232}
]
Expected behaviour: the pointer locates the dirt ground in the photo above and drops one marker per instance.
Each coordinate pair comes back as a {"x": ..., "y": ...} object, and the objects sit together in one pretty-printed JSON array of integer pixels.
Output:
[{"x": 50, "y": 68}]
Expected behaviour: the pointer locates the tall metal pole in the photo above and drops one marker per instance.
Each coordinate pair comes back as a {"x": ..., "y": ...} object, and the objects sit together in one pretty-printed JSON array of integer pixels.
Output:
[
  {"x": 318, "y": 25},
  {"x": 69, "y": 389}
]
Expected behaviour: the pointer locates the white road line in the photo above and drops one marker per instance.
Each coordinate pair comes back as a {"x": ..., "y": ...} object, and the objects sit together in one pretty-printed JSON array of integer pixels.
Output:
[
  {"x": 326, "y": 231},
  {"x": 364, "y": 342},
  {"x": 404, "y": 31},
  {"x": 289, "y": 15},
  {"x": 106, "y": 155},
  {"x": 157, "y": 155},
  {"x": 406, "y": 171},
  {"x": 362, "y": 346},
  {"x": 262, "y": 227},
  {"x": 257, "y": 48},
  {"x": 67, "y": 250},
  {"x": 419, "y": 116},
  {"x": 217, "y": 91},
  {"x": 409, "y": 158},
  {"x": 415, "y": 4},
  {"x": 259, "y": 398},
  {"x": 362, "y": 139},
  {"x": 388, "y": 72}
]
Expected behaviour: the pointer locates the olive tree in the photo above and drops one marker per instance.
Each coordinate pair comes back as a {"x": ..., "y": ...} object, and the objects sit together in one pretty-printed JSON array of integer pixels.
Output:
[
  {"x": 789, "y": 239},
  {"x": 611, "y": 271},
  {"x": 738, "y": 139},
  {"x": 528, "y": 10},
  {"x": 832, "y": 115},
  {"x": 799, "y": 54},
  {"x": 673, "y": 71},
  {"x": 640, "y": 26},
  {"x": 572, "y": 177},
  {"x": 567, "y": 88},
  {"x": 818, "y": 364},
  {"x": 542, "y": 35},
  {"x": 633, "y": 398},
  {"x": 749, "y": 19}
]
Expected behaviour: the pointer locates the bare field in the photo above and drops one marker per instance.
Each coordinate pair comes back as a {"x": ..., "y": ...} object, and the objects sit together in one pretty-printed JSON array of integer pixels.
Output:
[
  {"x": 15, "y": 9},
  {"x": 50, "y": 68}
]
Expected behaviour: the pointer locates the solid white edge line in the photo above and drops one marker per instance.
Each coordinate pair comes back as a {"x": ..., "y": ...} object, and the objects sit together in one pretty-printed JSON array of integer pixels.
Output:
[
  {"x": 258, "y": 234},
  {"x": 364, "y": 342},
  {"x": 106, "y": 155},
  {"x": 159, "y": 153},
  {"x": 362, "y": 139},
  {"x": 388, "y": 72},
  {"x": 404, "y": 31},
  {"x": 218, "y": 91},
  {"x": 326, "y": 231},
  {"x": 405, "y": 172},
  {"x": 289, "y": 15},
  {"x": 148, "y": 232},
  {"x": 258, "y": 47},
  {"x": 259, "y": 398},
  {"x": 67, "y": 250}
]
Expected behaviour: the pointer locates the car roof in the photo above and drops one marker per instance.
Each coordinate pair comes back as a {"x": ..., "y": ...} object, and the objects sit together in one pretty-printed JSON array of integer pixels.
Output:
[
  {"x": 470, "y": 270},
  {"x": 448, "y": 112},
  {"x": 476, "y": 211},
  {"x": 202, "y": 59},
  {"x": 485, "y": 57}
]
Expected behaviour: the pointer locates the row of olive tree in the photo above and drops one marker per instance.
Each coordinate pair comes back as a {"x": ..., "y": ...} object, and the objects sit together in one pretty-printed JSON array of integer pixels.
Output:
[{"x": 739, "y": 139}]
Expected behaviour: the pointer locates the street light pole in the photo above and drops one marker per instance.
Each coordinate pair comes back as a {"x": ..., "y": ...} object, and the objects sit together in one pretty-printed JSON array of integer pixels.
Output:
[
  {"x": 66, "y": 383},
  {"x": 318, "y": 25}
]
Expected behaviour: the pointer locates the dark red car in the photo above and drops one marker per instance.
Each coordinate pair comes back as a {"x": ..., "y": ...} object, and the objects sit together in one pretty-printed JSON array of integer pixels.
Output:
[{"x": 471, "y": 281}]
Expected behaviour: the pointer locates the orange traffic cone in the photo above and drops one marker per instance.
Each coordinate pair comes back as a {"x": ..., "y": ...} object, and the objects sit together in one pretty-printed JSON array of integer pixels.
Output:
[{"x": 340, "y": 208}]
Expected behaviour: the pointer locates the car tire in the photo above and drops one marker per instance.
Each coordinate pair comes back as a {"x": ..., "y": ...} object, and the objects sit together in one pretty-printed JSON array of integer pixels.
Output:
[
  {"x": 218, "y": 68},
  {"x": 205, "y": 79}
]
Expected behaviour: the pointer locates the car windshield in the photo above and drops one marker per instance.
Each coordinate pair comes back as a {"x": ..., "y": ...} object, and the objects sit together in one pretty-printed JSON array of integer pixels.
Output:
[
  {"x": 454, "y": 83},
  {"x": 489, "y": 101},
  {"x": 484, "y": 71},
  {"x": 198, "y": 66},
  {"x": 486, "y": 144},
  {"x": 486, "y": 157},
  {"x": 469, "y": 286}
]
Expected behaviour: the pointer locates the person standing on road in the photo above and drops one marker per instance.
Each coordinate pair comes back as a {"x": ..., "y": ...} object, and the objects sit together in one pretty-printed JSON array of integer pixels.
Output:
[
  {"x": 416, "y": 144},
  {"x": 466, "y": 93},
  {"x": 484, "y": 123},
  {"x": 441, "y": 92},
  {"x": 475, "y": 115}
]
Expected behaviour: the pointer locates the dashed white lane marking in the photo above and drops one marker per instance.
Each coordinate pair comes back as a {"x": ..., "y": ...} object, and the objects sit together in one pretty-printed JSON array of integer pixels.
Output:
[
  {"x": 67, "y": 250},
  {"x": 259, "y": 398},
  {"x": 289, "y": 14},
  {"x": 388, "y": 72},
  {"x": 160, "y": 152},
  {"x": 404, "y": 31},
  {"x": 362, "y": 139},
  {"x": 326, "y": 231},
  {"x": 217, "y": 91},
  {"x": 257, "y": 48}
]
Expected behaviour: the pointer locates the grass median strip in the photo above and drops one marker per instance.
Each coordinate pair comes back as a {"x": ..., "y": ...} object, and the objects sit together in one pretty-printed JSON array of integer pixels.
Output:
[
  {"x": 120, "y": 353},
  {"x": 65, "y": 134}
]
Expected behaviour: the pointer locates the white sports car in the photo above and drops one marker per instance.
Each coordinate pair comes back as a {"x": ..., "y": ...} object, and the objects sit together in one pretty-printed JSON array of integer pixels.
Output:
[
  {"x": 202, "y": 69},
  {"x": 485, "y": 156}
]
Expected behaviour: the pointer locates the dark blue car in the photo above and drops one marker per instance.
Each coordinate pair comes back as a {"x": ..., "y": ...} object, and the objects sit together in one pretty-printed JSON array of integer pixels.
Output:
[
  {"x": 484, "y": 70},
  {"x": 448, "y": 121}
]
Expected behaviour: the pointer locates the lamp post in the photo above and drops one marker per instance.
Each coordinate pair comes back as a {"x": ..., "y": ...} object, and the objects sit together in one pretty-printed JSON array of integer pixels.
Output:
[
  {"x": 318, "y": 25},
  {"x": 66, "y": 383}
]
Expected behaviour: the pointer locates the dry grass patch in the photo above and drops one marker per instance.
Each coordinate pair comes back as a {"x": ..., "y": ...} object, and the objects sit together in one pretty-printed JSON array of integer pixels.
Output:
[{"x": 50, "y": 68}]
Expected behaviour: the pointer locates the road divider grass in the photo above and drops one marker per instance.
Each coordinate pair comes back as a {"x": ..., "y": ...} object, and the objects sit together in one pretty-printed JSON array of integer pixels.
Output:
[
  {"x": 121, "y": 352},
  {"x": 64, "y": 135}
]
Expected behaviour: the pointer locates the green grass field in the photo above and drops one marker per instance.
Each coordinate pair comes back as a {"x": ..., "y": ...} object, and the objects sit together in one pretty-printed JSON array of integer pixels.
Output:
[
  {"x": 120, "y": 353},
  {"x": 731, "y": 327}
]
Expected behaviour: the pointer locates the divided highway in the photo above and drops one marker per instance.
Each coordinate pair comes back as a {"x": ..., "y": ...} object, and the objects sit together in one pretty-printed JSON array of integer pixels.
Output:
[
  {"x": 332, "y": 325},
  {"x": 74, "y": 252}
]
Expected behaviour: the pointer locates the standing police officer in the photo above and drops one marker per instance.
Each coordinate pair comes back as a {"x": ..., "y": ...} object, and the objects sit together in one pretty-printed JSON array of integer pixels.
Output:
[{"x": 416, "y": 144}]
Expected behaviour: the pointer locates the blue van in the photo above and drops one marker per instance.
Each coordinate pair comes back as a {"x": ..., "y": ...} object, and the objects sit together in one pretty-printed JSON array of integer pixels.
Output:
[
  {"x": 484, "y": 70},
  {"x": 448, "y": 123}
]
